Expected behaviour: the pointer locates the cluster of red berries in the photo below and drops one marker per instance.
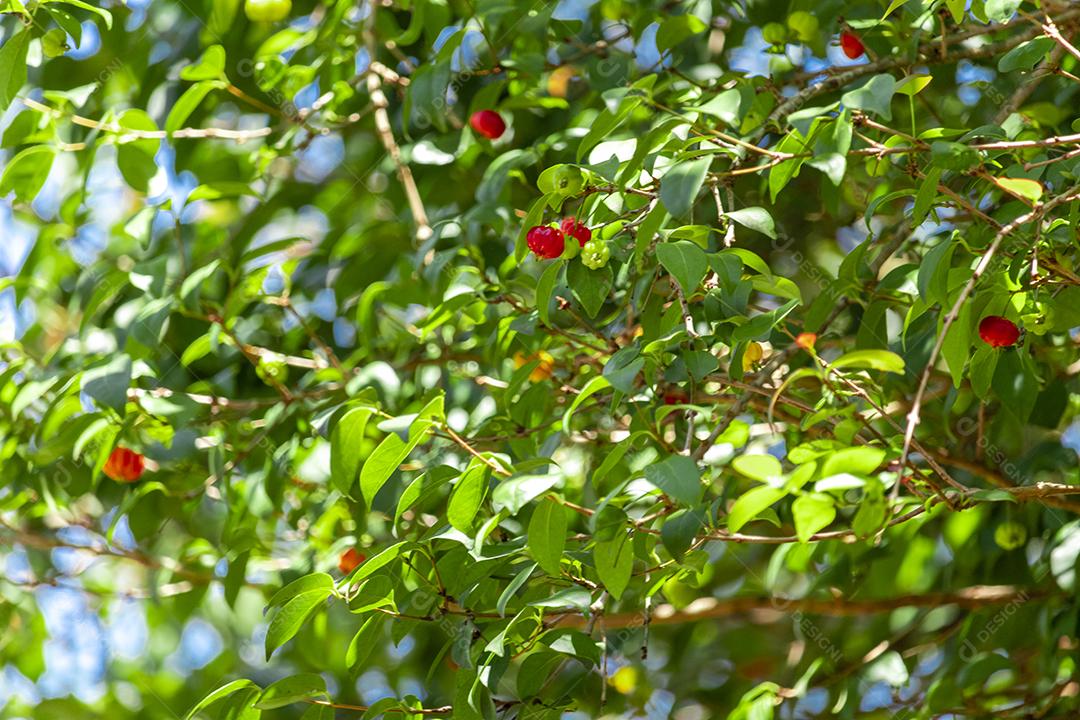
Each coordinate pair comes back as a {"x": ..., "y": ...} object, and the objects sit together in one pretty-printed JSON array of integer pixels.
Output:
[{"x": 549, "y": 242}]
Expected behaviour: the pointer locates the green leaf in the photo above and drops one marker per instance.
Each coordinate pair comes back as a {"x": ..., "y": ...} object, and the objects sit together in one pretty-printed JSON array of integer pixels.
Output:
[
  {"x": 512, "y": 589},
  {"x": 1025, "y": 55},
  {"x": 924, "y": 199},
  {"x": 136, "y": 158},
  {"x": 592, "y": 387},
  {"x": 686, "y": 262},
  {"x": 678, "y": 477},
  {"x": 371, "y": 565},
  {"x": 346, "y": 448},
  {"x": 363, "y": 643},
  {"x": 211, "y": 66},
  {"x": 957, "y": 8},
  {"x": 545, "y": 286},
  {"x": 622, "y": 369},
  {"x": 674, "y": 29},
  {"x": 547, "y": 535},
  {"x": 186, "y": 105},
  {"x": 758, "y": 467},
  {"x": 860, "y": 460},
  {"x": 393, "y": 451},
  {"x": 426, "y": 93},
  {"x": 952, "y": 155},
  {"x": 781, "y": 174},
  {"x": 913, "y": 84},
  {"x": 956, "y": 348},
  {"x": 614, "y": 563},
  {"x": 1016, "y": 385},
  {"x": 993, "y": 495},
  {"x": 812, "y": 512},
  {"x": 724, "y": 106},
  {"x": 515, "y": 493},
  {"x": 189, "y": 289},
  {"x": 892, "y": 6},
  {"x": 680, "y": 530},
  {"x": 423, "y": 487},
  {"x": 755, "y": 218},
  {"x": 306, "y": 583},
  {"x": 875, "y": 96},
  {"x": 1030, "y": 190},
  {"x": 27, "y": 172},
  {"x": 291, "y": 617},
  {"x": 834, "y": 165},
  {"x": 294, "y": 689},
  {"x": 151, "y": 321},
  {"x": 983, "y": 367},
  {"x": 871, "y": 360},
  {"x": 871, "y": 513},
  {"x": 933, "y": 277},
  {"x": 841, "y": 481},
  {"x": 750, "y": 504},
  {"x": 108, "y": 384},
  {"x": 223, "y": 189},
  {"x": 67, "y": 24},
  {"x": 101, "y": 12},
  {"x": 590, "y": 287},
  {"x": 570, "y": 598},
  {"x": 466, "y": 497},
  {"x": 13, "y": 67},
  {"x": 317, "y": 712},
  {"x": 222, "y": 692},
  {"x": 680, "y": 185}
]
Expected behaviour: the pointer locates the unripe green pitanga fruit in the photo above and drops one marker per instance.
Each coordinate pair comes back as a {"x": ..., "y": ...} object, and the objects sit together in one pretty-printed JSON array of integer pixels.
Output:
[
  {"x": 568, "y": 179},
  {"x": 595, "y": 254},
  {"x": 1010, "y": 535},
  {"x": 267, "y": 10},
  {"x": 272, "y": 369}
]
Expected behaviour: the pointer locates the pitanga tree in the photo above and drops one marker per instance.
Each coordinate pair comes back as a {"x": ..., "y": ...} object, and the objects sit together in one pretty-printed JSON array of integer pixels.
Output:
[{"x": 539, "y": 360}]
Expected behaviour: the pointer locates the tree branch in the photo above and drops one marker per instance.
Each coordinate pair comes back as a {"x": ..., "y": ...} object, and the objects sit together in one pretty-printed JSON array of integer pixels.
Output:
[
  {"x": 386, "y": 135},
  {"x": 774, "y": 609}
]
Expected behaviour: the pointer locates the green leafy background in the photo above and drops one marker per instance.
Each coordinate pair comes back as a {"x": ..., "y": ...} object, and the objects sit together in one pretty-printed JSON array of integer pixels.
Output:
[{"x": 275, "y": 259}]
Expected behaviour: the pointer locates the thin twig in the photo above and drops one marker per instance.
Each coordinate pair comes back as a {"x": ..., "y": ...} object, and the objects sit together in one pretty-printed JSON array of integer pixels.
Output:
[
  {"x": 130, "y": 134},
  {"x": 386, "y": 135}
]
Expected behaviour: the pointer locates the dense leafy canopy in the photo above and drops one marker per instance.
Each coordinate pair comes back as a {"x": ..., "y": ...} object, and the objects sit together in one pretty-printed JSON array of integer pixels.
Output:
[{"x": 752, "y": 451}]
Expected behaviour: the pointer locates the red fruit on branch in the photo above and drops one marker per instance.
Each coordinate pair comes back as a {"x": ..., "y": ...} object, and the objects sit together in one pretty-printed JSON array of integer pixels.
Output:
[
  {"x": 124, "y": 465},
  {"x": 572, "y": 227},
  {"x": 350, "y": 560},
  {"x": 851, "y": 45},
  {"x": 545, "y": 241},
  {"x": 488, "y": 123},
  {"x": 998, "y": 332}
]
